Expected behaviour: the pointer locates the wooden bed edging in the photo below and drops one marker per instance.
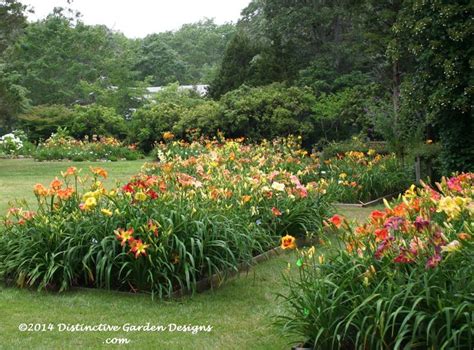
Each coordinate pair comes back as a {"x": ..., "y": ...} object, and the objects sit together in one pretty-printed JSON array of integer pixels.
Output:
[
  {"x": 368, "y": 204},
  {"x": 214, "y": 281}
]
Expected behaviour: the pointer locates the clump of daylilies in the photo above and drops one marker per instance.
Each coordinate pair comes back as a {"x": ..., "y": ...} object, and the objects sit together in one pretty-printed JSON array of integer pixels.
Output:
[
  {"x": 59, "y": 147},
  {"x": 357, "y": 176},
  {"x": 424, "y": 226},
  {"x": 402, "y": 277}
]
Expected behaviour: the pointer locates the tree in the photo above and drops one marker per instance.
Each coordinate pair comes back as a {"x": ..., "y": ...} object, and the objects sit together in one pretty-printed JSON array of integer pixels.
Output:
[
  {"x": 437, "y": 36},
  {"x": 56, "y": 54},
  {"x": 236, "y": 65},
  {"x": 13, "y": 99},
  {"x": 12, "y": 22},
  {"x": 160, "y": 62},
  {"x": 200, "y": 46},
  {"x": 306, "y": 43}
]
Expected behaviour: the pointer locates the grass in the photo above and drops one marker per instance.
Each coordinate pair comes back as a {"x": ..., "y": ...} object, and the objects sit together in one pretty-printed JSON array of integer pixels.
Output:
[
  {"x": 18, "y": 176},
  {"x": 358, "y": 214},
  {"x": 240, "y": 312}
]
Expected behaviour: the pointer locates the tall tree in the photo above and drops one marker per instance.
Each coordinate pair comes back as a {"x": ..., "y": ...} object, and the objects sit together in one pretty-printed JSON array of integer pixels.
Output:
[
  {"x": 13, "y": 98},
  {"x": 438, "y": 37},
  {"x": 57, "y": 53},
  {"x": 159, "y": 62},
  {"x": 12, "y": 22},
  {"x": 200, "y": 46}
]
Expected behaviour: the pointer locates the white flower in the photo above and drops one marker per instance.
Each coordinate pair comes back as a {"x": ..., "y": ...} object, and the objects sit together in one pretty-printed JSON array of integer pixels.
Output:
[{"x": 277, "y": 186}]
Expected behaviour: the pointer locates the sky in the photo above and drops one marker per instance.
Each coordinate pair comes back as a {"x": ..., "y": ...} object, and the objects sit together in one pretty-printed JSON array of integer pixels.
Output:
[{"x": 138, "y": 18}]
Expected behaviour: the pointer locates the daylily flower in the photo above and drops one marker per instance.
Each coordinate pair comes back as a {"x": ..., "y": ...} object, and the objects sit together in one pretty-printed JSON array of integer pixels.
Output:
[
  {"x": 90, "y": 203},
  {"x": 124, "y": 236},
  {"x": 168, "y": 136},
  {"x": 276, "y": 211},
  {"x": 381, "y": 234},
  {"x": 71, "y": 171},
  {"x": 421, "y": 223},
  {"x": 433, "y": 261},
  {"x": 394, "y": 222},
  {"x": 40, "y": 190},
  {"x": 451, "y": 247},
  {"x": 277, "y": 186},
  {"x": 65, "y": 194},
  {"x": 140, "y": 196},
  {"x": 464, "y": 236},
  {"x": 152, "y": 227},
  {"x": 246, "y": 198},
  {"x": 55, "y": 184},
  {"x": 336, "y": 220},
  {"x": 377, "y": 215},
  {"x": 405, "y": 257},
  {"x": 99, "y": 171},
  {"x": 288, "y": 242},
  {"x": 106, "y": 212},
  {"x": 138, "y": 248},
  {"x": 383, "y": 247}
]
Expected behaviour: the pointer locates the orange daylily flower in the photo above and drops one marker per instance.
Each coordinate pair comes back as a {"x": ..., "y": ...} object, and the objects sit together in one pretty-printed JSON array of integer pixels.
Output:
[
  {"x": 168, "y": 135},
  {"x": 40, "y": 190},
  {"x": 28, "y": 215},
  {"x": 246, "y": 198},
  {"x": 276, "y": 211},
  {"x": 400, "y": 210},
  {"x": 464, "y": 236},
  {"x": 99, "y": 171},
  {"x": 381, "y": 234},
  {"x": 124, "y": 236},
  {"x": 153, "y": 227},
  {"x": 288, "y": 242},
  {"x": 65, "y": 194},
  {"x": 71, "y": 171},
  {"x": 56, "y": 184},
  {"x": 138, "y": 247}
]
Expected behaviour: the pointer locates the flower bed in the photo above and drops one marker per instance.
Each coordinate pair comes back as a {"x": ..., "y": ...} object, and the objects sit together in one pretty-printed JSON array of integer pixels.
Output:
[
  {"x": 15, "y": 144},
  {"x": 401, "y": 280},
  {"x": 59, "y": 147},
  {"x": 355, "y": 177},
  {"x": 177, "y": 222}
]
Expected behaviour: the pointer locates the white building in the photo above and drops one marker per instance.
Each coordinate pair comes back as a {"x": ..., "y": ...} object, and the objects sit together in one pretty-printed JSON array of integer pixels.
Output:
[{"x": 200, "y": 89}]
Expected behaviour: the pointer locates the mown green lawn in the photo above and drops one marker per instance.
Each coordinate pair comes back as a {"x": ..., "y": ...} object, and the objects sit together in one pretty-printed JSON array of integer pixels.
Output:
[
  {"x": 240, "y": 312},
  {"x": 18, "y": 176}
]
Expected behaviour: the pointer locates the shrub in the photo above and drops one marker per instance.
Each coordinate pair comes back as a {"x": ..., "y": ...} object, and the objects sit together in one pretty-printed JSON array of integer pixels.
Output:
[
  {"x": 398, "y": 281},
  {"x": 15, "y": 144},
  {"x": 268, "y": 112},
  {"x": 40, "y": 122},
  {"x": 96, "y": 120},
  {"x": 355, "y": 143},
  {"x": 340, "y": 115},
  {"x": 171, "y": 109}
]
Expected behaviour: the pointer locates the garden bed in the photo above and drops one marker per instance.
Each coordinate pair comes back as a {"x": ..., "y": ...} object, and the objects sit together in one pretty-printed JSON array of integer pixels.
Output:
[
  {"x": 397, "y": 280},
  {"x": 172, "y": 224}
]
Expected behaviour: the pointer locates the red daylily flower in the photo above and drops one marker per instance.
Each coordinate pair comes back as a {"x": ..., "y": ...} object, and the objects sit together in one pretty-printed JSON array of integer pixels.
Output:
[
  {"x": 381, "y": 234},
  {"x": 138, "y": 248},
  {"x": 336, "y": 220},
  {"x": 124, "y": 236}
]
